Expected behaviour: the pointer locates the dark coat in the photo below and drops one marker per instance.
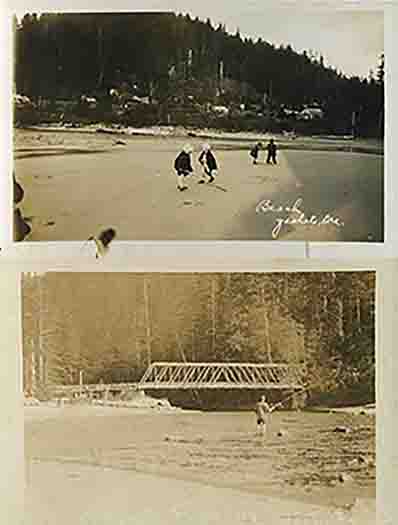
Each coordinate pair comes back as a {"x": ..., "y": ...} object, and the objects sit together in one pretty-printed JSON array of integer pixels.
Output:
[
  {"x": 272, "y": 148},
  {"x": 209, "y": 158},
  {"x": 183, "y": 163},
  {"x": 254, "y": 151},
  {"x": 21, "y": 228},
  {"x": 18, "y": 192}
]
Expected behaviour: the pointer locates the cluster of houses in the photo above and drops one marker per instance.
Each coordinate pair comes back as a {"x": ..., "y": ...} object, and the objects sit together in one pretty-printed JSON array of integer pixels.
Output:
[
  {"x": 126, "y": 102},
  {"x": 307, "y": 113}
]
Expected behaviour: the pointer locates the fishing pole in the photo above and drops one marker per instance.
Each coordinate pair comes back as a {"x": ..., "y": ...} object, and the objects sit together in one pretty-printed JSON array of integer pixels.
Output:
[{"x": 280, "y": 403}]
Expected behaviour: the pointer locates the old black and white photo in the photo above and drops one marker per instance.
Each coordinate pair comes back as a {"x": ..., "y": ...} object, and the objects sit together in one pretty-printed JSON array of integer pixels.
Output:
[
  {"x": 200, "y": 397},
  {"x": 112, "y": 113}
]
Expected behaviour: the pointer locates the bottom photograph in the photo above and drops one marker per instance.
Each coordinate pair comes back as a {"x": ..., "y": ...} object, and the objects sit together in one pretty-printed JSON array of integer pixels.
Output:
[{"x": 199, "y": 398}]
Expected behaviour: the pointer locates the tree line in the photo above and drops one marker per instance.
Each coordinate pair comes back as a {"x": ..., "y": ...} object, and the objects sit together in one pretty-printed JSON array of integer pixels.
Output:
[
  {"x": 112, "y": 326},
  {"x": 168, "y": 57}
]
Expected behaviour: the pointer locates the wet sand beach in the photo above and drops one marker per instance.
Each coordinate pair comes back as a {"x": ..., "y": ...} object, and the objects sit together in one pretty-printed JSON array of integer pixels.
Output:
[{"x": 77, "y": 183}]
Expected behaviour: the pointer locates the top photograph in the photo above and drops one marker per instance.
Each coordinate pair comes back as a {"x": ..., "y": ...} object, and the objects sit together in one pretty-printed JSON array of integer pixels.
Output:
[{"x": 162, "y": 126}]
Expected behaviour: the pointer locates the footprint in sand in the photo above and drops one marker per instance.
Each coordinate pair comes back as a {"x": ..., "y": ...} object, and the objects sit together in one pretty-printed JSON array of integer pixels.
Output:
[
  {"x": 258, "y": 179},
  {"x": 50, "y": 223},
  {"x": 74, "y": 475},
  {"x": 193, "y": 203}
]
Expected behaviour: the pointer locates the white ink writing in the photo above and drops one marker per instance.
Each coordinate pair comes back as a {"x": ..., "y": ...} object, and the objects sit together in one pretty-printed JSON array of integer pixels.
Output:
[{"x": 300, "y": 218}]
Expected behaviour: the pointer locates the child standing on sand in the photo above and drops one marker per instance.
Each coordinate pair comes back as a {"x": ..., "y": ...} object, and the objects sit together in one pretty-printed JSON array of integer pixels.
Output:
[
  {"x": 209, "y": 163},
  {"x": 272, "y": 149},
  {"x": 183, "y": 166},
  {"x": 254, "y": 152}
]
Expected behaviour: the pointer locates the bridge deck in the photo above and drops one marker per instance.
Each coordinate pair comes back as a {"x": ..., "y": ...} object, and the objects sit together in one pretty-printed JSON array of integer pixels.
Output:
[
  {"x": 204, "y": 376},
  {"x": 97, "y": 387}
]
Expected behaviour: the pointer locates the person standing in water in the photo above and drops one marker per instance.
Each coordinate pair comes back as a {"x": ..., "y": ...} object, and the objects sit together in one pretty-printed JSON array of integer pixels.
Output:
[
  {"x": 272, "y": 149},
  {"x": 183, "y": 166},
  {"x": 263, "y": 410},
  {"x": 209, "y": 163},
  {"x": 254, "y": 152}
]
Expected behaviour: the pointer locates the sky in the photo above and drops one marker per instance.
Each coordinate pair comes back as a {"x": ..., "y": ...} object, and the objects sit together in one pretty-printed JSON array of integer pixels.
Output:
[{"x": 349, "y": 40}]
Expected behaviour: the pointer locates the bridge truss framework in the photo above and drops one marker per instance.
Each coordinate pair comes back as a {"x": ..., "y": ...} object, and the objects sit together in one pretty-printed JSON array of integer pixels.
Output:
[
  {"x": 244, "y": 376},
  {"x": 201, "y": 376}
]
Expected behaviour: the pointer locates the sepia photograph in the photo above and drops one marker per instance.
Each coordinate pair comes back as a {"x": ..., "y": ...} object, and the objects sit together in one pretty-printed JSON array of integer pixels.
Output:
[
  {"x": 215, "y": 124},
  {"x": 199, "y": 398}
]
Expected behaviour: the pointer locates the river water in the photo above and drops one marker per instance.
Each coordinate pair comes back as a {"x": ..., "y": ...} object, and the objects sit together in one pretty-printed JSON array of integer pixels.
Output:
[{"x": 302, "y": 456}]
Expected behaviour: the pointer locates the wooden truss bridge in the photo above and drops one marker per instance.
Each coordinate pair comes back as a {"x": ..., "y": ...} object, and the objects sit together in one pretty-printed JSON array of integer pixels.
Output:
[
  {"x": 243, "y": 376},
  {"x": 201, "y": 376}
]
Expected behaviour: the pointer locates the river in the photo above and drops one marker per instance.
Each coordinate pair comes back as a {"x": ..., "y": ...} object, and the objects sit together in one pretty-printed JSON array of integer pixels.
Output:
[{"x": 302, "y": 457}]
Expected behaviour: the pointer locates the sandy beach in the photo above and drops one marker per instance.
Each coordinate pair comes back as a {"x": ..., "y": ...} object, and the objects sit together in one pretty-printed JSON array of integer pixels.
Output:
[
  {"x": 77, "y": 183},
  {"x": 81, "y": 494},
  {"x": 97, "y": 465}
]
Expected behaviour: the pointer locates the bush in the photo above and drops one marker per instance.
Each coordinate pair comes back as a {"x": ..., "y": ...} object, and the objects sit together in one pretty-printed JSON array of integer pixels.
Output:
[{"x": 26, "y": 116}]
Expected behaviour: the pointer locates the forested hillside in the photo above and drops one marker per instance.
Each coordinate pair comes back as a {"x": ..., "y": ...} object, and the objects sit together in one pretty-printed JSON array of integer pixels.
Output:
[
  {"x": 180, "y": 62},
  {"x": 111, "y": 326}
]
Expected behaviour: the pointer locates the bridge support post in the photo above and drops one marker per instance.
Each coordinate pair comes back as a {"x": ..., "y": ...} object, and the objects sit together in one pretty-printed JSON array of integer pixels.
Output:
[{"x": 106, "y": 395}]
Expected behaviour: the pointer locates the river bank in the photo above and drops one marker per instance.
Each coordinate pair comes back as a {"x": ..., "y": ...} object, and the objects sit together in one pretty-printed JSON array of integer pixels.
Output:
[
  {"x": 71, "y": 493},
  {"x": 304, "y": 458}
]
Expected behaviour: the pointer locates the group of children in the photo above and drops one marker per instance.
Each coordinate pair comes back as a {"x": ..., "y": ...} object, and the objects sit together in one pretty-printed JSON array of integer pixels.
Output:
[
  {"x": 183, "y": 165},
  {"x": 183, "y": 162},
  {"x": 271, "y": 149}
]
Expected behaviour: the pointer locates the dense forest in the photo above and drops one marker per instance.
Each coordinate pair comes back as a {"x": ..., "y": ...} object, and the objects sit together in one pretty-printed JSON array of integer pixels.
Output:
[
  {"x": 111, "y": 326},
  {"x": 183, "y": 66}
]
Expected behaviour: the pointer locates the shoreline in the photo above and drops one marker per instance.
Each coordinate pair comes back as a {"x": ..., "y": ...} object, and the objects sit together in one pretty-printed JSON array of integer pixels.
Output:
[
  {"x": 232, "y": 140},
  {"x": 31, "y": 403},
  {"x": 104, "y": 495},
  {"x": 368, "y": 409},
  {"x": 166, "y": 474}
]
